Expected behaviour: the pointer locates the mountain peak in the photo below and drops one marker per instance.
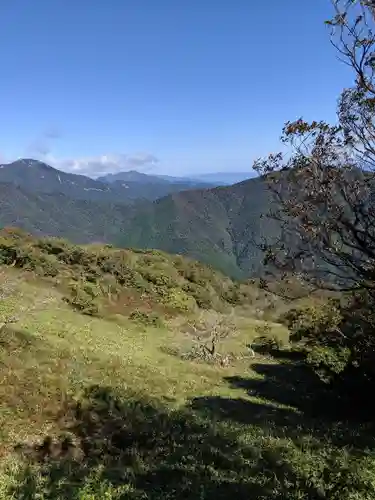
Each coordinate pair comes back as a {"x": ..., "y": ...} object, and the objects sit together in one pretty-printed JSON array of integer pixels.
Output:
[
  {"x": 28, "y": 162},
  {"x": 127, "y": 176}
]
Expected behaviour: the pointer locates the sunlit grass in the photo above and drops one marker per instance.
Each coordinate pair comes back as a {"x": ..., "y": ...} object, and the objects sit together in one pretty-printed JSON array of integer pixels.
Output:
[{"x": 51, "y": 354}]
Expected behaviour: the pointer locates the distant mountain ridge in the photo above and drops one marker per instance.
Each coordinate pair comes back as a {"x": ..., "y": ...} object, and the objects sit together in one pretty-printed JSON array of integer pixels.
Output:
[
  {"x": 212, "y": 179},
  {"x": 224, "y": 178},
  {"x": 131, "y": 176},
  {"x": 217, "y": 226},
  {"x": 174, "y": 183},
  {"x": 37, "y": 176}
]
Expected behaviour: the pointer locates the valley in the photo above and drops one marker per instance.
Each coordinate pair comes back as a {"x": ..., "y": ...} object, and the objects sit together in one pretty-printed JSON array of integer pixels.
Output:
[{"x": 219, "y": 226}]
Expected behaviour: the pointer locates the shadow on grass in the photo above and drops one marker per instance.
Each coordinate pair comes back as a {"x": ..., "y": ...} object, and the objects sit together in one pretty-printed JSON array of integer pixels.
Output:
[
  {"x": 152, "y": 453},
  {"x": 277, "y": 353},
  {"x": 290, "y": 401}
]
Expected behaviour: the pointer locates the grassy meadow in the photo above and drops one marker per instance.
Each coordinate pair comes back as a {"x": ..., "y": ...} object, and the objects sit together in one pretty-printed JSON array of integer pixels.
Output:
[{"x": 107, "y": 404}]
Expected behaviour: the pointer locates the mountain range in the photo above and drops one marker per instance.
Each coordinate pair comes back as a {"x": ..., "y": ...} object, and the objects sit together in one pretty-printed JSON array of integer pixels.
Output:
[
  {"x": 194, "y": 181},
  {"x": 224, "y": 178},
  {"x": 216, "y": 225},
  {"x": 36, "y": 176}
]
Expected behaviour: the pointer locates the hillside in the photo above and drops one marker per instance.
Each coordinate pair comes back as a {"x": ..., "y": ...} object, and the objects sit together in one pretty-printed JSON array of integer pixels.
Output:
[
  {"x": 133, "y": 176},
  {"x": 56, "y": 214},
  {"x": 38, "y": 177},
  {"x": 172, "y": 281},
  {"x": 116, "y": 402},
  {"x": 217, "y": 226}
]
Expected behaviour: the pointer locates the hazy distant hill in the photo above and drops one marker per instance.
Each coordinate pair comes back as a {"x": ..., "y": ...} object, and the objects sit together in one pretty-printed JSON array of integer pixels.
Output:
[
  {"x": 225, "y": 178},
  {"x": 56, "y": 214},
  {"x": 161, "y": 185},
  {"x": 36, "y": 176},
  {"x": 132, "y": 176},
  {"x": 216, "y": 226}
]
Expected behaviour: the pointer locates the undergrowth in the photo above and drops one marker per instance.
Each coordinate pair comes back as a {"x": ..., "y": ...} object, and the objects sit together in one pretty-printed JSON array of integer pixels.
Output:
[{"x": 95, "y": 277}]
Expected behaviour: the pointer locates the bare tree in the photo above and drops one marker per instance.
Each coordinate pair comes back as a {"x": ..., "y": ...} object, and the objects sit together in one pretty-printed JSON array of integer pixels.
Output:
[
  {"x": 324, "y": 191},
  {"x": 210, "y": 330}
]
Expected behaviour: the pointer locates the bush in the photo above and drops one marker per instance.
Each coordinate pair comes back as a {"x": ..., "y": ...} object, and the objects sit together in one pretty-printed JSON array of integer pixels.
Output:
[
  {"x": 53, "y": 246},
  {"x": 203, "y": 296},
  {"x": 328, "y": 361},
  {"x": 313, "y": 322},
  {"x": 267, "y": 344},
  {"x": 158, "y": 278},
  {"x": 176, "y": 299},
  {"x": 83, "y": 298},
  {"x": 339, "y": 343},
  {"x": 47, "y": 265},
  {"x": 146, "y": 319}
]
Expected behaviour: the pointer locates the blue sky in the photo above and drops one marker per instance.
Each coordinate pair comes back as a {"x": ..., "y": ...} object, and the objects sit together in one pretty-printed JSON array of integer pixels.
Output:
[{"x": 171, "y": 86}]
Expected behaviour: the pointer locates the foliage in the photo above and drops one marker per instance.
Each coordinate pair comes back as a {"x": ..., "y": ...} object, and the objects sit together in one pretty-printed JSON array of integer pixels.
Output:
[
  {"x": 97, "y": 276},
  {"x": 323, "y": 201},
  {"x": 147, "y": 319},
  {"x": 267, "y": 344},
  {"x": 329, "y": 361},
  {"x": 314, "y": 321},
  {"x": 338, "y": 339},
  {"x": 158, "y": 426},
  {"x": 83, "y": 298},
  {"x": 177, "y": 299}
]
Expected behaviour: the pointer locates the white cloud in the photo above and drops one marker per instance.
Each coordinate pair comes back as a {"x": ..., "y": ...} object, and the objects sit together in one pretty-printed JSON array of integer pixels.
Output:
[{"x": 105, "y": 164}]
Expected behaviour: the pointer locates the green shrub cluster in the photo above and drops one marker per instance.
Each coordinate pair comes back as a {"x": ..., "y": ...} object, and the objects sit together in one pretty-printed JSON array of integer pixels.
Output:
[
  {"x": 101, "y": 273},
  {"x": 337, "y": 337},
  {"x": 150, "y": 318},
  {"x": 83, "y": 297}
]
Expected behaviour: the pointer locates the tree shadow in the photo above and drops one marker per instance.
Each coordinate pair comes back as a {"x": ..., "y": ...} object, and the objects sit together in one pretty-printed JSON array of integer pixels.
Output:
[
  {"x": 296, "y": 385},
  {"x": 290, "y": 384},
  {"x": 291, "y": 401},
  {"x": 156, "y": 453},
  {"x": 277, "y": 353}
]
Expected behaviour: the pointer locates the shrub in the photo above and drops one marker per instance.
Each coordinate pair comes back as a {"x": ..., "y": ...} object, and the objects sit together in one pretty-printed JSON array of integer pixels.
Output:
[
  {"x": 328, "y": 361},
  {"x": 83, "y": 298},
  {"x": 146, "y": 319},
  {"x": 176, "y": 299},
  {"x": 313, "y": 322},
  {"x": 53, "y": 246},
  {"x": 237, "y": 294},
  {"x": 158, "y": 278},
  {"x": 338, "y": 339},
  {"x": 267, "y": 344},
  {"x": 75, "y": 255},
  {"x": 203, "y": 296},
  {"x": 209, "y": 330},
  {"x": 47, "y": 265}
]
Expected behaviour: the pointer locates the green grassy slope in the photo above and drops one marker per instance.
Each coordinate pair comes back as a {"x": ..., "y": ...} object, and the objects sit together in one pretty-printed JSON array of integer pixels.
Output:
[{"x": 103, "y": 407}]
